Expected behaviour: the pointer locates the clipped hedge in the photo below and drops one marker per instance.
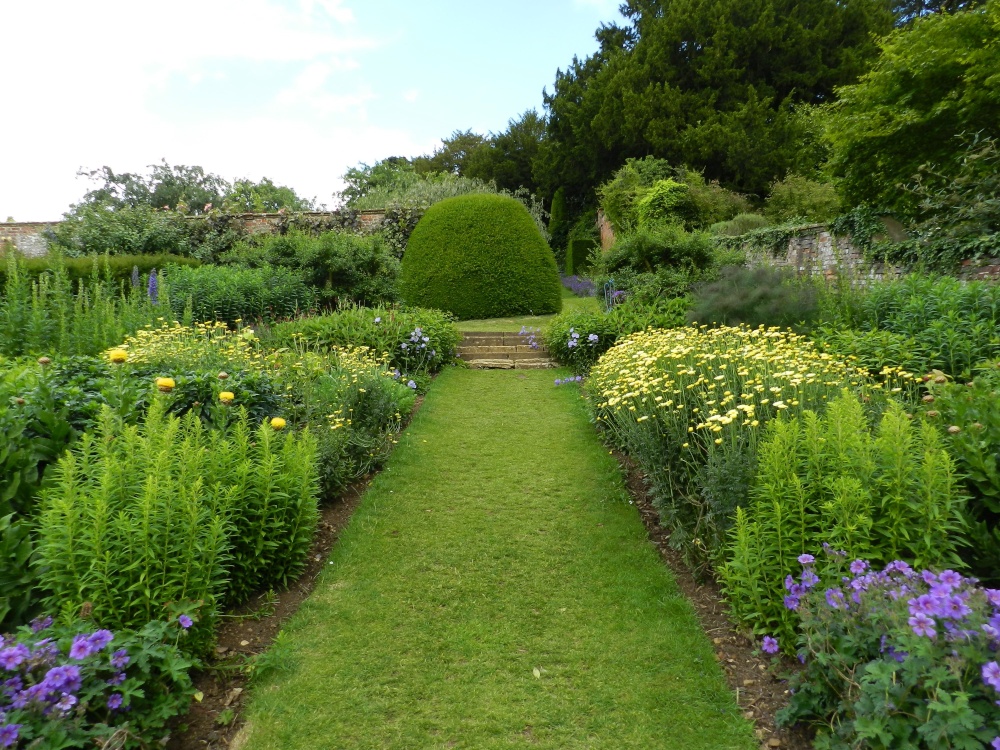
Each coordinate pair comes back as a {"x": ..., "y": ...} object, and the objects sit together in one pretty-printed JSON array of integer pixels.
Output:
[
  {"x": 578, "y": 255},
  {"x": 480, "y": 256}
]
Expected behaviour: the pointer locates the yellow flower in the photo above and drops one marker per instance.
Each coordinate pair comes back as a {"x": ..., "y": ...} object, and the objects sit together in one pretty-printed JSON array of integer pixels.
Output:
[
  {"x": 226, "y": 397},
  {"x": 165, "y": 384},
  {"x": 118, "y": 356},
  {"x": 277, "y": 423}
]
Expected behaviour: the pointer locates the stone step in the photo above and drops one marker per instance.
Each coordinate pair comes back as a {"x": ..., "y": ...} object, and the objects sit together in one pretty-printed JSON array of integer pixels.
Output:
[
  {"x": 512, "y": 364},
  {"x": 487, "y": 353},
  {"x": 510, "y": 349},
  {"x": 490, "y": 338}
]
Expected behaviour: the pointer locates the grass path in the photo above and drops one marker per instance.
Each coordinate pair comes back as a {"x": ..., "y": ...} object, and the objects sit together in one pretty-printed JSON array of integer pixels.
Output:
[
  {"x": 496, "y": 590},
  {"x": 570, "y": 303}
]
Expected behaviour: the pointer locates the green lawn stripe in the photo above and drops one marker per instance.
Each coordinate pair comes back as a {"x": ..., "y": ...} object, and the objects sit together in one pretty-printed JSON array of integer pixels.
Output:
[{"x": 498, "y": 540}]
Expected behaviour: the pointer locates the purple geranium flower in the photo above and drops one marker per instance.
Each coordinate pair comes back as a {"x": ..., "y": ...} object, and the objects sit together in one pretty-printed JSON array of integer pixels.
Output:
[
  {"x": 9, "y": 734},
  {"x": 791, "y": 602},
  {"x": 991, "y": 675},
  {"x": 81, "y": 648},
  {"x": 66, "y": 702},
  {"x": 39, "y": 624},
  {"x": 923, "y": 625},
  {"x": 66, "y": 679},
  {"x": 12, "y": 656},
  {"x": 770, "y": 645},
  {"x": 809, "y": 579},
  {"x": 411, "y": 384},
  {"x": 115, "y": 701},
  {"x": 185, "y": 621},
  {"x": 993, "y": 597},
  {"x": 950, "y": 578},
  {"x": 806, "y": 559},
  {"x": 858, "y": 567},
  {"x": 120, "y": 659},
  {"x": 100, "y": 639},
  {"x": 835, "y": 598}
]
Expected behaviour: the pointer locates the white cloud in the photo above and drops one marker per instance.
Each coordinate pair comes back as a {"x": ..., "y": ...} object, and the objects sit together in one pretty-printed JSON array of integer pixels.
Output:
[
  {"x": 608, "y": 7},
  {"x": 411, "y": 96}
]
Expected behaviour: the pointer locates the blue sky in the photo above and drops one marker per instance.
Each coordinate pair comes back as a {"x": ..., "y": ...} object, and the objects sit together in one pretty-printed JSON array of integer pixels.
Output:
[{"x": 297, "y": 90}]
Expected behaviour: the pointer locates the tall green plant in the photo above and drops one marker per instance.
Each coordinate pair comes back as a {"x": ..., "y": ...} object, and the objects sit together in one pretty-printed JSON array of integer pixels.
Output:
[{"x": 828, "y": 480}]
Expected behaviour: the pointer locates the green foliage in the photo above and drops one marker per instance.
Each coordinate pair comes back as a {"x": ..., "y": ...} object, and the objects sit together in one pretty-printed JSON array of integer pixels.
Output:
[
  {"x": 98, "y": 229},
  {"x": 578, "y": 339},
  {"x": 934, "y": 80},
  {"x": 480, "y": 256},
  {"x": 115, "y": 268},
  {"x": 177, "y": 188},
  {"x": 559, "y": 222},
  {"x": 715, "y": 86},
  {"x": 139, "y": 517},
  {"x": 874, "y": 350},
  {"x": 970, "y": 415},
  {"x": 508, "y": 158},
  {"x": 230, "y": 294},
  {"x": 453, "y": 154},
  {"x": 799, "y": 198},
  {"x": 648, "y": 249},
  {"x": 246, "y": 196},
  {"x": 873, "y": 679},
  {"x": 952, "y": 324},
  {"x": 341, "y": 266},
  {"x": 578, "y": 252},
  {"x": 762, "y": 295},
  {"x": 830, "y": 479},
  {"x": 383, "y": 330},
  {"x": 666, "y": 201},
  {"x": 46, "y": 315},
  {"x": 739, "y": 225},
  {"x": 144, "y": 674}
]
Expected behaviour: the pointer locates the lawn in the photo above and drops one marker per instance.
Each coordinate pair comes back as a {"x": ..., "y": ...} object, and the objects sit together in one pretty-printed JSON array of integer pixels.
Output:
[
  {"x": 496, "y": 589},
  {"x": 570, "y": 303}
]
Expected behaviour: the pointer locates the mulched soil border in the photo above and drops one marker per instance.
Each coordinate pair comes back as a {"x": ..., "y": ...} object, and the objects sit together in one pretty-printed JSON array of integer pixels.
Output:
[{"x": 754, "y": 677}]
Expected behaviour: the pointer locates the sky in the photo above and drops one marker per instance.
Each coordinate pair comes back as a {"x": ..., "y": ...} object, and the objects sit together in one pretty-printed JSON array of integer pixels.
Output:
[{"x": 294, "y": 90}]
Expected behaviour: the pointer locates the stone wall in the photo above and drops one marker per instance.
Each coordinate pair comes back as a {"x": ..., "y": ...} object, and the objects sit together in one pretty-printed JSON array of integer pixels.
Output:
[{"x": 29, "y": 237}]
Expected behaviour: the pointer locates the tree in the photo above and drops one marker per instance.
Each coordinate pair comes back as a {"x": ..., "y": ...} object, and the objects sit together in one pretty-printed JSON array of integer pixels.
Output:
[
  {"x": 388, "y": 175},
  {"x": 453, "y": 154},
  {"x": 713, "y": 84},
  {"x": 179, "y": 187},
  {"x": 935, "y": 80},
  {"x": 508, "y": 158},
  {"x": 246, "y": 196}
]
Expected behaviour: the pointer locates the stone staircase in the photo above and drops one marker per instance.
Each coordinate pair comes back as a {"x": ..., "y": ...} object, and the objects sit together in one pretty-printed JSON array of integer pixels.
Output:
[{"x": 502, "y": 351}]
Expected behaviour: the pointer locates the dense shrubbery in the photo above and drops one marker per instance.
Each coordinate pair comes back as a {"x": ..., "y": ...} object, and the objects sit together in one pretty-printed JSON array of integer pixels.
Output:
[
  {"x": 690, "y": 405},
  {"x": 756, "y": 296},
  {"x": 244, "y": 294},
  {"x": 107, "y": 268},
  {"x": 798, "y": 198},
  {"x": 386, "y": 331},
  {"x": 480, "y": 256},
  {"x": 949, "y": 325},
  {"x": 578, "y": 339},
  {"x": 341, "y": 266}
]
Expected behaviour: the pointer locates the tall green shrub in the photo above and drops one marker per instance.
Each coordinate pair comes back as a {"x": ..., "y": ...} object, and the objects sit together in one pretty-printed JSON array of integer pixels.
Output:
[
  {"x": 829, "y": 480},
  {"x": 480, "y": 256},
  {"x": 137, "y": 517}
]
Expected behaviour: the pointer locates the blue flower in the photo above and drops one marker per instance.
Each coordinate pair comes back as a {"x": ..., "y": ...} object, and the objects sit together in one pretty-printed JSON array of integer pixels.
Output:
[
  {"x": 378, "y": 320},
  {"x": 115, "y": 701},
  {"x": 411, "y": 384},
  {"x": 991, "y": 675},
  {"x": 922, "y": 625},
  {"x": 185, "y": 621},
  {"x": 120, "y": 659},
  {"x": 9, "y": 734},
  {"x": 806, "y": 559},
  {"x": 770, "y": 645}
]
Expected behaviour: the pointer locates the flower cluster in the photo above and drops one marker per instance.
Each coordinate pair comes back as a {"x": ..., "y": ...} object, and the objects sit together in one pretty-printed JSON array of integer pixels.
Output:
[
  {"x": 75, "y": 685},
  {"x": 574, "y": 379},
  {"x": 579, "y": 286},
  {"x": 201, "y": 346},
  {"x": 899, "y": 643},
  {"x": 575, "y": 340},
  {"x": 530, "y": 336}
]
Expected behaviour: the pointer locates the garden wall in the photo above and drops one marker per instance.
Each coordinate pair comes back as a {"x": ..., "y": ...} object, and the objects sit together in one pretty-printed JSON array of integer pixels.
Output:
[{"x": 30, "y": 237}]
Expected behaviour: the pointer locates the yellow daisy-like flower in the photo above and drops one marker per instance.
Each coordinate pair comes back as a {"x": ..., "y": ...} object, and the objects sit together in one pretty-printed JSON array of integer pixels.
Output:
[
  {"x": 165, "y": 384},
  {"x": 227, "y": 397},
  {"x": 118, "y": 356},
  {"x": 277, "y": 423}
]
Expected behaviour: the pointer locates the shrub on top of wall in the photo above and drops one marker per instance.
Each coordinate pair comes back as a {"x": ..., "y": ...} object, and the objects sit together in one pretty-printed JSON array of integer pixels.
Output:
[{"x": 480, "y": 256}]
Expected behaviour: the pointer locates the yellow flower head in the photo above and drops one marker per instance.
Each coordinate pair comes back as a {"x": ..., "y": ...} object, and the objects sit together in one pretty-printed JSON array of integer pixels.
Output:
[
  {"x": 118, "y": 356},
  {"x": 227, "y": 397},
  {"x": 277, "y": 423},
  {"x": 165, "y": 384}
]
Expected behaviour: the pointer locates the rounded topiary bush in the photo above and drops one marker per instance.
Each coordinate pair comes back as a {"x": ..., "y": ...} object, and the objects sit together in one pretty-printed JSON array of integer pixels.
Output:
[{"x": 480, "y": 256}]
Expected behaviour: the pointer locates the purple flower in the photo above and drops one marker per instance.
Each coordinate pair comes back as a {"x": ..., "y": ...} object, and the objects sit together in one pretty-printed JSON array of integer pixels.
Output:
[
  {"x": 791, "y": 602},
  {"x": 835, "y": 598},
  {"x": 991, "y": 675},
  {"x": 100, "y": 639},
  {"x": 12, "y": 656},
  {"x": 66, "y": 679},
  {"x": 378, "y": 320},
  {"x": 153, "y": 288},
  {"x": 770, "y": 645},
  {"x": 115, "y": 701},
  {"x": 809, "y": 579},
  {"x": 411, "y": 384},
  {"x": 558, "y": 381},
  {"x": 9, "y": 734},
  {"x": 66, "y": 702},
  {"x": 806, "y": 559},
  {"x": 13, "y": 685},
  {"x": 185, "y": 621},
  {"x": 922, "y": 625},
  {"x": 955, "y": 608},
  {"x": 992, "y": 596},
  {"x": 858, "y": 567},
  {"x": 81, "y": 648},
  {"x": 39, "y": 624},
  {"x": 996, "y": 743},
  {"x": 403, "y": 346},
  {"x": 929, "y": 578},
  {"x": 923, "y": 604},
  {"x": 118, "y": 679},
  {"x": 950, "y": 578},
  {"x": 120, "y": 659},
  {"x": 571, "y": 343}
]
